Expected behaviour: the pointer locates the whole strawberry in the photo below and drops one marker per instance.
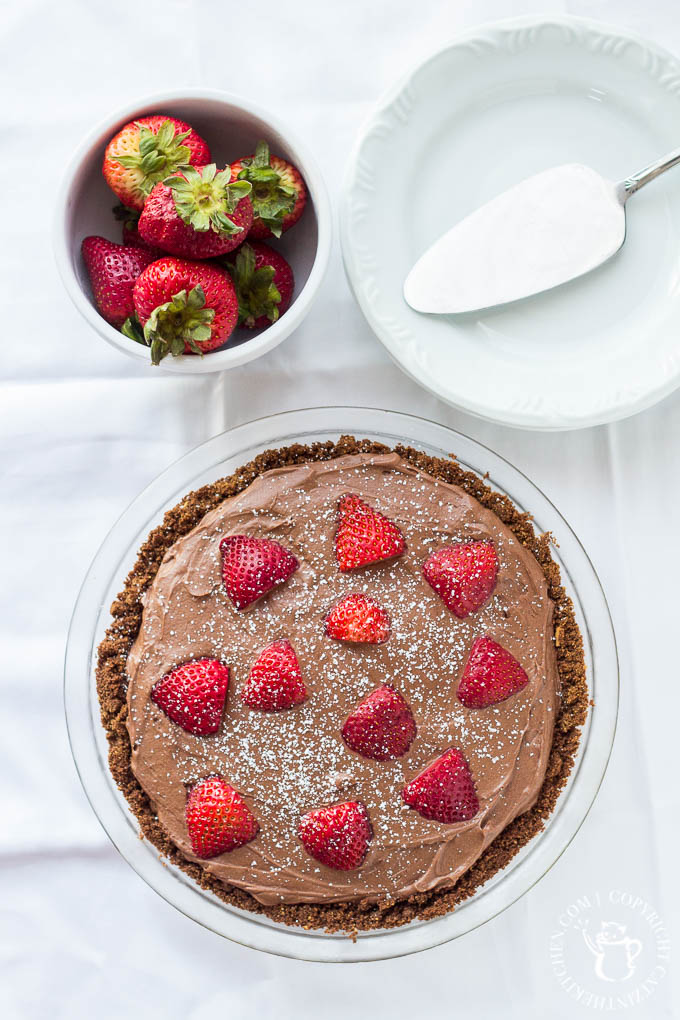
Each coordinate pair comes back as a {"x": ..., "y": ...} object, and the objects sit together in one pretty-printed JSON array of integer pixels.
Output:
[
  {"x": 251, "y": 567},
  {"x": 218, "y": 819},
  {"x": 463, "y": 575},
  {"x": 264, "y": 284},
  {"x": 358, "y": 619},
  {"x": 275, "y": 681},
  {"x": 145, "y": 151},
  {"x": 193, "y": 695},
  {"x": 364, "y": 535},
  {"x": 445, "y": 790},
  {"x": 279, "y": 194},
  {"x": 197, "y": 213},
  {"x": 381, "y": 727},
  {"x": 113, "y": 270},
  {"x": 491, "y": 675},
  {"x": 182, "y": 308},
  {"x": 337, "y": 836}
]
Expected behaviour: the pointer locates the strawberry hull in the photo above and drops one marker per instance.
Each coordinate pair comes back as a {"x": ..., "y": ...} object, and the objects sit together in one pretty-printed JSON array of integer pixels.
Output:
[
  {"x": 264, "y": 284},
  {"x": 279, "y": 193}
]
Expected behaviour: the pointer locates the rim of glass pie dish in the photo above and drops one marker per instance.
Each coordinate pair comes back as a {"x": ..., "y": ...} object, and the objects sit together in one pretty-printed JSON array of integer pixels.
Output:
[{"x": 221, "y": 456}]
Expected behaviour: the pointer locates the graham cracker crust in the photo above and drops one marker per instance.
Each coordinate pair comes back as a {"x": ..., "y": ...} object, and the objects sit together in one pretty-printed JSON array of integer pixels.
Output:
[{"x": 126, "y": 614}]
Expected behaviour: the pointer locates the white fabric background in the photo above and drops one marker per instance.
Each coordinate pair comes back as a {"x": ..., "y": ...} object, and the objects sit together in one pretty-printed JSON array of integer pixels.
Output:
[{"x": 84, "y": 429}]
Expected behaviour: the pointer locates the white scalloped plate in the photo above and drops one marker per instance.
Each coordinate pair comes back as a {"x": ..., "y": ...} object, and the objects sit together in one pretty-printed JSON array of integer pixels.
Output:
[{"x": 500, "y": 103}]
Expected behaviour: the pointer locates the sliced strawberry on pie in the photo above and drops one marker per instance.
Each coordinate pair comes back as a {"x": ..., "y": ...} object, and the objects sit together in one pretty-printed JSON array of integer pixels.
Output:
[
  {"x": 218, "y": 819},
  {"x": 463, "y": 575},
  {"x": 193, "y": 695},
  {"x": 275, "y": 681},
  {"x": 251, "y": 567},
  {"x": 445, "y": 790},
  {"x": 338, "y": 835},
  {"x": 358, "y": 618},
  {"x": 365, "y": 535},
  {"x": 491, "y": 675},
  {"x": 382, "y": 726}
]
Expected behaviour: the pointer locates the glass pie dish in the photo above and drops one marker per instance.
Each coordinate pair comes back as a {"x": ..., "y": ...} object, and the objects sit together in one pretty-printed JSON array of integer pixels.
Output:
[{"x": 221, "y": 456}]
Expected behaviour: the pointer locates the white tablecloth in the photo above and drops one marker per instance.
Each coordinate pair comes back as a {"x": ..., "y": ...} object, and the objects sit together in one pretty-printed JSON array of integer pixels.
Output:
[{"x": 84, "y": 429}]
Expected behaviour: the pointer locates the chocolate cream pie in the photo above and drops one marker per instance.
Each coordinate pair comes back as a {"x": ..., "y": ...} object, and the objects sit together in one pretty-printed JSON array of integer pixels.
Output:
[{"x": 344, "y": 686}]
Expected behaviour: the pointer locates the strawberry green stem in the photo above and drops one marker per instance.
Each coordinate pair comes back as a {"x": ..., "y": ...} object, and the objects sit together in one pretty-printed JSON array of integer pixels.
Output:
[
  {"x": 255, "y": 288},
  {"x": 205, "y": 198},
  {"x": 160, "y": 154},
  {"x": 272, "y": 199},
  {"x": 184, "y": 320}
]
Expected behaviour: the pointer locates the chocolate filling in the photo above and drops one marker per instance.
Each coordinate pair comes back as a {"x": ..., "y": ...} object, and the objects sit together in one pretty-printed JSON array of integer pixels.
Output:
[{"x": 388, "y": 891}]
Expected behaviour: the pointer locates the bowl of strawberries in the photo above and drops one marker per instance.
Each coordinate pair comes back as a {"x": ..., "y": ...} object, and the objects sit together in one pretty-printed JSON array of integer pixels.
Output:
[{"x": 192, "y": 232}]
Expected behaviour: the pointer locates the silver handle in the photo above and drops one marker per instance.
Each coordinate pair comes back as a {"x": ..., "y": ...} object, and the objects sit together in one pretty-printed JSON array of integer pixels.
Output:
[{"x": 648, "y": 173}]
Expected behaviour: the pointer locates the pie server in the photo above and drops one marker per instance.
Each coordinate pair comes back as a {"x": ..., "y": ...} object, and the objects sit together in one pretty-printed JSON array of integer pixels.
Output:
[{"x": 544, "y": 231}]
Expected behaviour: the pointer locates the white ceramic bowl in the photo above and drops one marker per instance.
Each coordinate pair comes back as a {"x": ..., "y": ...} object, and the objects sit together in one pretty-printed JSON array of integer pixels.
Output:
[
  {"x": 231, "y": 126},
  {"x": 221, "y": 456}
]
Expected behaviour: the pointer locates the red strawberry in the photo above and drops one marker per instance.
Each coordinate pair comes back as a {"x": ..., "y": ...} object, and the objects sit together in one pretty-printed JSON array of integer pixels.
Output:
[
  {"x": 197, "y": 213},
  {"x": 381, "y": 726},
  {"x": 218, "y": 819},
  {"x": 445, "y": 790},
  {"x": 275, "y": 681},
  {"x": 491, "y": 675},
  {"x": 193, "y": 695},
  {"x": 279, "y": 194},
  {"x": 337, "y": 836},
  {"x": 358, "y": 618},
  {"x": 145, "y": 151},
  {"x": 365, "y": 535},
  {"x": 183, "y": 307},
  {"x": 264, "y": 284},
  {"x": 463, "y": 575},
  {"x": 253, "y": 566},
  {"x": 113, "y": 270}
]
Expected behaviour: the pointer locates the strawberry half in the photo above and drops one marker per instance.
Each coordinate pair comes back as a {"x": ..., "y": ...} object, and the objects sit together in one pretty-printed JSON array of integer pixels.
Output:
[
  {"x": 365, "y": 535},
  {"x": 145, "y": 151},
  {"x": 463, "y": 575},
  {"x": 491, "y": 675},
  {"x": 358, "y": 618},
  {"x": 445, "y": 790},
  {"x": 264, "y": 284},
  {"x": 182, "y": 308},
  {"x": 337, "y": 836},
  {"x": 381, "y": 727},
  {"x": 251, "y": 567},
  {"x": 275, "y": 681},
  {"x": 193, "y": 695},
  {"x": 278, "y": 196},
  {"x": 198, "y": 213},
  {"x": 218, "y": 819},
  {"x": 113, "y": 270}
]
